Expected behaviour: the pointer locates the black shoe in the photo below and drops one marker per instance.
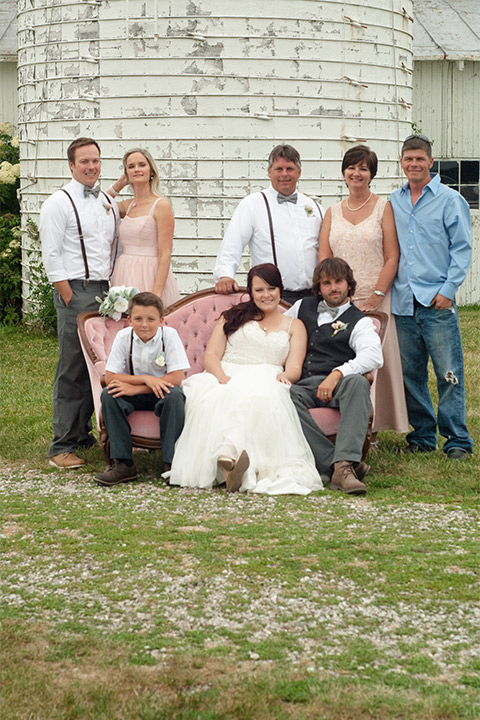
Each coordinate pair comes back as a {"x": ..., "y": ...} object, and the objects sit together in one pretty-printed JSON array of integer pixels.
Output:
[
  {"x": 116, "y": 473},
  {"x": 457, "y": 453},
  {"x": 412, "y": 448}
]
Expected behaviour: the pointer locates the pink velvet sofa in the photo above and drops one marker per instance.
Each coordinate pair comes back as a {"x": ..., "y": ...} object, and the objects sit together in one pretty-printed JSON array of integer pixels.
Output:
[{"x": 194, "y": 318}]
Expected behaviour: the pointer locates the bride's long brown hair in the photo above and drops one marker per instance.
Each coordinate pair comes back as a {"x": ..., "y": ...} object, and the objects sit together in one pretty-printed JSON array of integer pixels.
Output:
[{"x": 242, "y": 313}]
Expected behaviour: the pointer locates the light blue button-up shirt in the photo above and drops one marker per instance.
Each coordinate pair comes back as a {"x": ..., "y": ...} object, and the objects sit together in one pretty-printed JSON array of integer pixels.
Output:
[{"x": 435, "y": 244}]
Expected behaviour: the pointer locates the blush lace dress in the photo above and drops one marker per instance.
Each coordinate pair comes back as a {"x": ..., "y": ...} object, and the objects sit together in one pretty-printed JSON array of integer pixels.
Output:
[
  {"x": 362, "y": 247},
  {"x": 138, "y": 263},
  {"x": 251, "y": 412}
]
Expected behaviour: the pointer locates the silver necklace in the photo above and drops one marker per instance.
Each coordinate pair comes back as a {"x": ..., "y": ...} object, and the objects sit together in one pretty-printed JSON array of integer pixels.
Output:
[{"x": 360, "y": 206}]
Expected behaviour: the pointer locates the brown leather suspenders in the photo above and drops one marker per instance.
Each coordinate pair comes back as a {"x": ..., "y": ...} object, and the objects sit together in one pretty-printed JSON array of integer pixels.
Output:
[
  {"x": 82, "y": 241},
  {"x": 270, "y": 224}
]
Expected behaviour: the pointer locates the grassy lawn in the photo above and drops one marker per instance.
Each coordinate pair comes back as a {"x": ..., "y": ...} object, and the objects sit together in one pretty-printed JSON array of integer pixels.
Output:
[{"x": 154, "y": 603}]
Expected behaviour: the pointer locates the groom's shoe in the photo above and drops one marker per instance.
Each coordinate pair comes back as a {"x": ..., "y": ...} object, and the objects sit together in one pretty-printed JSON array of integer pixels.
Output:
[
  {"x": 344, "y": 478},
  {"x": 362, "y": 470}
]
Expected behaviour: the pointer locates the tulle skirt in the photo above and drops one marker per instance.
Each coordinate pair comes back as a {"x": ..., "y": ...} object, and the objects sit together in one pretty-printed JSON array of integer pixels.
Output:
[{"x": 252, "y": 412}]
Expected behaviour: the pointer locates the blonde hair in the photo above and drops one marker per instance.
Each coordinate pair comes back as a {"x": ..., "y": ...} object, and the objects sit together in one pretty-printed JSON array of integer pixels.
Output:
[{"x": 154, "y": 179}]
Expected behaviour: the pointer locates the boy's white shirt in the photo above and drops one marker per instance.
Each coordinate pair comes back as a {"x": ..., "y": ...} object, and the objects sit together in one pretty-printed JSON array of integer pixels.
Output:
[{"x": 145, "y": 354}]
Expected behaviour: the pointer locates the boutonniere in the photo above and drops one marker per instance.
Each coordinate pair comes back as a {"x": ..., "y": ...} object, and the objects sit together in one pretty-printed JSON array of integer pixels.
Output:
[
  {"x": 160, "y": 360},
  {"x": 308, "y": 209},
  {"x": 337, "y": 326},
  {"x": 107, "y": 207}
]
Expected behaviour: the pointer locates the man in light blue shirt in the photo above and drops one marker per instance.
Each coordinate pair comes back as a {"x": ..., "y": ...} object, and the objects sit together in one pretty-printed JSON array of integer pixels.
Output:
[{"x": 433, "y": 227}]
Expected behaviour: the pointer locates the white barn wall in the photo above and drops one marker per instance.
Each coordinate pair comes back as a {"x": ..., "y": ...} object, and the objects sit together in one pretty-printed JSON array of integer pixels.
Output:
[
  {"x": 210, "y": 88},
  {"x": 446, "y": 108},
  {"x": 8, "y": 93}
]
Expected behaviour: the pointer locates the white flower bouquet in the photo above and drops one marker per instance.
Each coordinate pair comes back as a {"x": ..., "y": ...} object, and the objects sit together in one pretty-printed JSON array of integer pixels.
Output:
[{"x": 115, "y": 301}]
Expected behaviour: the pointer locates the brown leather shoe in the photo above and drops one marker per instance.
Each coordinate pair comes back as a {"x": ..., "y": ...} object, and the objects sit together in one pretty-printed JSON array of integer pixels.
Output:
[
  {"x": 116, "y": 473},
  {"x": 362, "y": 469},
  {"x": 344, "y": 478},
  {"x": 66, "y": 461}
]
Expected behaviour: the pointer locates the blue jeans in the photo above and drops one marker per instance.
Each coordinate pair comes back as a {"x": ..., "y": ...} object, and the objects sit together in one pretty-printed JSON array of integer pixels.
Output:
[{"x": 434, "y": 333}]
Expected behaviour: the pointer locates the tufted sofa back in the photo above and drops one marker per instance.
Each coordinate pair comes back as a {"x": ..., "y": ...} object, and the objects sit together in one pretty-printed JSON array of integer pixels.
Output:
[{"x": 194, "y": 318}]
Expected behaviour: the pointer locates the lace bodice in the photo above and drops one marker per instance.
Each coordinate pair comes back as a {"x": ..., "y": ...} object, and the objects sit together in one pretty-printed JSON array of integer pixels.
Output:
[
  {"x": 250, "y": 345},
  {"x": 360, "y": 245}
]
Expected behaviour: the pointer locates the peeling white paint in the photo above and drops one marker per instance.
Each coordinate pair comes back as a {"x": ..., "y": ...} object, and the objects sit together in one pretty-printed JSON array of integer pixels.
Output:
[{"x": 210, "y": 91}]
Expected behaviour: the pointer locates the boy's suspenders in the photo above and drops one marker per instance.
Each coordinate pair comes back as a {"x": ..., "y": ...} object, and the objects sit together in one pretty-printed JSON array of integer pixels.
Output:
[{"x": 130, "y": 353}]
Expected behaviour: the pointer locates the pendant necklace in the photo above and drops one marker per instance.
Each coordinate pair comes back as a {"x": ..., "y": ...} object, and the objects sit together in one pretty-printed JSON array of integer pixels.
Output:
[{"x": 360, "y": 206}]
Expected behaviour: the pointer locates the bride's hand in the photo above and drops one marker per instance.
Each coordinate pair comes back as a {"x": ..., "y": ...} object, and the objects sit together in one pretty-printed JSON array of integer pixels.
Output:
[{"x": 282, "y": 378}]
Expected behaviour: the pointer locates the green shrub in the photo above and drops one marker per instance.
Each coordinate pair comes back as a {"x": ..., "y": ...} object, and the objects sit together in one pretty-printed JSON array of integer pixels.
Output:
[
  {"x": 40, "y": 313},
  {"x": 9, "y": 170},
  {"x": 10, "y": 270},
  {"x": 10, "y": 233}
]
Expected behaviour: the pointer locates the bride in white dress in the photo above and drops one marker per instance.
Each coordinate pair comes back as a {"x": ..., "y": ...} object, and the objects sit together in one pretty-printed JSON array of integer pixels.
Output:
[{"x": 240, "y": 425}]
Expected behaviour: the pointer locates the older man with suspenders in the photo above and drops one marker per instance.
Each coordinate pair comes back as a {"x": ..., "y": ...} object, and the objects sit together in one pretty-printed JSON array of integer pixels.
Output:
[{"x": 279, "y": 224}]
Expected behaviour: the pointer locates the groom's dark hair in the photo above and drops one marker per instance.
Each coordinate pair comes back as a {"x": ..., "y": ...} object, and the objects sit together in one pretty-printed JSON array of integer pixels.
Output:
[{"x": 335, "y": 268}]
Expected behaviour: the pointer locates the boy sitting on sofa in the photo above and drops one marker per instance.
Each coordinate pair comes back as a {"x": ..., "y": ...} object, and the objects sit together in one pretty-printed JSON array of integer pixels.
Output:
[{"x": 143, "y": 372}]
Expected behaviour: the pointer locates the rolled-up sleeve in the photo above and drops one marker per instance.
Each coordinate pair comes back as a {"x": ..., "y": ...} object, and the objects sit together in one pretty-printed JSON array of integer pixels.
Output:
[{"x": 365, "y": 342}]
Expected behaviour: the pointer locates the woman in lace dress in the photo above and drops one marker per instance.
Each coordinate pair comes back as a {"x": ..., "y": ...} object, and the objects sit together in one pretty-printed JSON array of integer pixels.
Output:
[
  {"x": 361, "y": 230},
  {"x": 240, "y": 425},
  {"x": 146, "y": 230}
]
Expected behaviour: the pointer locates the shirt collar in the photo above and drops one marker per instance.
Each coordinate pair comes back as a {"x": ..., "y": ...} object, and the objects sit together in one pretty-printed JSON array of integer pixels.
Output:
[
  {"x": 149, "y": 342},
  {"x": 433, "y": 185}
]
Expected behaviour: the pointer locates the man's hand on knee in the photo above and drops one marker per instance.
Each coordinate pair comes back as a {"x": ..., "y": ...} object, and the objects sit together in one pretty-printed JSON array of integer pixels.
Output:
[{"x": 327, "y": 387}]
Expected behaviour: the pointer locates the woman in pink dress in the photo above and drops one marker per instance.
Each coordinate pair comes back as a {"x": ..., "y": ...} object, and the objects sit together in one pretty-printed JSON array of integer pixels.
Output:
[
  {"x": 361, "y": 230},
  {"x": 146, "y": 230}
]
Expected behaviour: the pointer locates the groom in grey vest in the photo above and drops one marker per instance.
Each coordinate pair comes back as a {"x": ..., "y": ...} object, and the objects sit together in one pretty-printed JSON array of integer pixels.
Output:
[{"x": 342, "y": 346}]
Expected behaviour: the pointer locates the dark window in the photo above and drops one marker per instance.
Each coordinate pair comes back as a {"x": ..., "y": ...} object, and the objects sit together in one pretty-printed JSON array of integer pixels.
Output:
[{"x": 461, "y": 175}]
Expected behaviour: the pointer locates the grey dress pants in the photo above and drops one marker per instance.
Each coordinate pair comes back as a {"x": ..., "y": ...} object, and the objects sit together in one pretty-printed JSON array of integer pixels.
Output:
[
  {"x": 72, "y": 395},
  {"x": 352, "y": 398}
]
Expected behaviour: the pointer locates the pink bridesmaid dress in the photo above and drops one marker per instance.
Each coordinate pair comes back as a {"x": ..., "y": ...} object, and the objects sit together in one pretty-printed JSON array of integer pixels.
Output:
[{"x": 138, "y": 263}]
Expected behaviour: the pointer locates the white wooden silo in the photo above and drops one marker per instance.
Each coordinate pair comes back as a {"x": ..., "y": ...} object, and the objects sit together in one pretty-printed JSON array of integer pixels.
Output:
[{"x": 209, "y": 87}]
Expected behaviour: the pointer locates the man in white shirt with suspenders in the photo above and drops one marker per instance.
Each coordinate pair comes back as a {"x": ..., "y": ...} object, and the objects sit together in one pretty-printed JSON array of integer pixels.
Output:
[
  {"x": 279, "y": 225},
  {"x": 78, "y": 227}
]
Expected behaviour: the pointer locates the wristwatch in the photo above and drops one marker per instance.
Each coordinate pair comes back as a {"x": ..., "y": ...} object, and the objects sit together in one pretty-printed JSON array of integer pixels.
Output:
[{"x": 379, "y": 292}]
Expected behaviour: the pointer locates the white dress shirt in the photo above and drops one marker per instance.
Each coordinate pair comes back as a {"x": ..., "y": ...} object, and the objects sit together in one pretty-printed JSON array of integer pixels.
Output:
[
  {"x": 61, "y": 248},
  {"x": 364, "y": 341},
  {"x": 295, "y": 227},
  {"x": 166, "y": 342}
]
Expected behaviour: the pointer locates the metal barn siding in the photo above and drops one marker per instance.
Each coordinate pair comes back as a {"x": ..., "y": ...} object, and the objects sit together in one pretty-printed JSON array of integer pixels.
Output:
[
  {"x": 209, "y": 87},
  {"x": 447, "y": 103}
]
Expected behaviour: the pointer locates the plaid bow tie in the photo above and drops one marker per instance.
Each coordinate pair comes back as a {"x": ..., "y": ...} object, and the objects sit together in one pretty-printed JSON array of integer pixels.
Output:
[
  {"x": 287, "y": 198},
  {"x": 323, "y": 307},
  {"x": 95, "y": 191}
]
